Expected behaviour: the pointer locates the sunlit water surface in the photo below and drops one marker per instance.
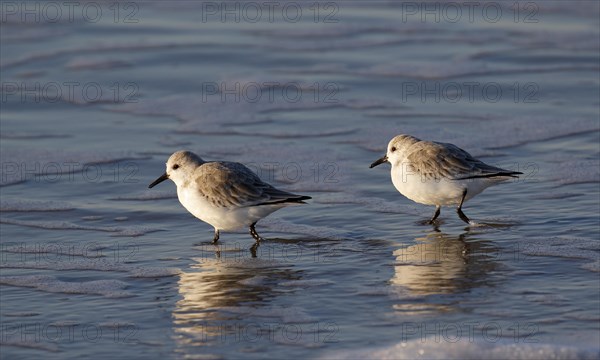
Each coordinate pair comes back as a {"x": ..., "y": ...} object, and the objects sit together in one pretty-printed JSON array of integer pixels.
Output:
[{"x": 95, "y": 264}]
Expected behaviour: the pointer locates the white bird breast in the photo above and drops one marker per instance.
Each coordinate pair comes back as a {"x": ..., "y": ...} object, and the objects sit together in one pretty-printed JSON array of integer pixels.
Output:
[
  {"x": 430, "y": 191},
  {"x": 222, "y": 218}
]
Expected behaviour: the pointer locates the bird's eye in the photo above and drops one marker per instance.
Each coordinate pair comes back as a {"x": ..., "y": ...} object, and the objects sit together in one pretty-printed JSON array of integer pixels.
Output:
[
  {"x": 393, "y": 148},
  {"x": 175, "y": 167}
]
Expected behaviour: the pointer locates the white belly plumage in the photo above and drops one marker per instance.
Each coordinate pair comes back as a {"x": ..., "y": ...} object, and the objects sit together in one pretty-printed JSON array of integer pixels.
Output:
[
  {"x": 437, "y": 192},
  {"x": 223, "y": 218}
]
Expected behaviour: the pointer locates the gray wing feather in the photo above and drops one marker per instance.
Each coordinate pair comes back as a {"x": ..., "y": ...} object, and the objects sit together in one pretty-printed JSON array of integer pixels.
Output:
[
  {"x": 434, "y": 160},
  {"x": 230, "y": 184}
]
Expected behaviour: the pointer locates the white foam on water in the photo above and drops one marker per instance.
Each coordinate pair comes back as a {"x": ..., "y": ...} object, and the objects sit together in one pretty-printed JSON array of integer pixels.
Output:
[
  {"x": 23, "y": 205},
  {"x": 108, "y": 288},
  {"x": 429, "y": 348},
  {"x": 129, "y": 231}
]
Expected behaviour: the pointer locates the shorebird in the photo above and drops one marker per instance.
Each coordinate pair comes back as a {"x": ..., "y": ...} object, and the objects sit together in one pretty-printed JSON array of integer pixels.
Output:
[
  {"x": 434, "y": 173},
  {"x": 226, "y": 195}
]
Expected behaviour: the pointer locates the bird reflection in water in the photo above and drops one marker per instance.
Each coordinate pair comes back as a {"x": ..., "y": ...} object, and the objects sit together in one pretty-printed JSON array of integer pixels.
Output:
[
  {"x": 217, "y": 291},
  {"x": 440, "y": 264}
]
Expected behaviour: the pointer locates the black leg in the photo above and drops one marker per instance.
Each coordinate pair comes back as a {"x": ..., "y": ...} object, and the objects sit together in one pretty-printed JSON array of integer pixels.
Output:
[
  {"x": 462, "y": 215},
  {"x": 436, "y": 214},
  {"x": 253, "y": 249},
  {"x": 216, "y": 238},
  {"x": 255, "y": 234}
]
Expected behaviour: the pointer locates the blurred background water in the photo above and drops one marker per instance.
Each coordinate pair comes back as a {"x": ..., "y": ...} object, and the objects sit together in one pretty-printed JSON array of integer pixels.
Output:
[{"x": 97, "y": 95}]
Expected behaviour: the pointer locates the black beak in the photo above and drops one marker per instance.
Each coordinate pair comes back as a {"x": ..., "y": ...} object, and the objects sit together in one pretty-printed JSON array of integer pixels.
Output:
[
  {"x": 162, "y": 178},
  {"x": 379, "y": 161}
]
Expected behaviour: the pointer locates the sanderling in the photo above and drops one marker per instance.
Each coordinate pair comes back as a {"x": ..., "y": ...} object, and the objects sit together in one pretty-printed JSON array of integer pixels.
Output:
[
  {"x": 226, "y": 195},
  {"x": 434, "y": 173}
]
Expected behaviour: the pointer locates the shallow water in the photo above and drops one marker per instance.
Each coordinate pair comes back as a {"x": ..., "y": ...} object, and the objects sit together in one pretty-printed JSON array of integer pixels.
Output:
[{"x": 95, "y": 264}]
